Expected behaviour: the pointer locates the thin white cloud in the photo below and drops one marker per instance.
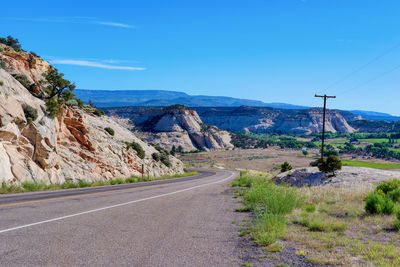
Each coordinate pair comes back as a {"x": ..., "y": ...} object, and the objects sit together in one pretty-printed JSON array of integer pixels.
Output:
[
  {"x": 114, "y": 24},
  {"x": 75, "y": 20},
  {"x": 93, "y": 64}
]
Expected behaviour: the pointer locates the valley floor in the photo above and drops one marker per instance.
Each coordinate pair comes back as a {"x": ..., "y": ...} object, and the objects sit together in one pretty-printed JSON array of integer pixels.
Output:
[{"x": 330, "y": 227}]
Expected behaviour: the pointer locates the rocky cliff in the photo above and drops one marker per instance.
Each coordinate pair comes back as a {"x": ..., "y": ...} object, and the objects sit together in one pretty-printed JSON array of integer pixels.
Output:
[
  {"x": 258, "y": 119},
  {"x": 180, "y": 127},
  {"x": 74, "y": 145}
]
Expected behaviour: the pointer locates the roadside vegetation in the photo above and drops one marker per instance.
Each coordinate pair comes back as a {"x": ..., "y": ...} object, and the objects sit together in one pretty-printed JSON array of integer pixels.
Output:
[
  {"x": 270, "y": 204},
  {"x": 328, "y": 225},
  {"x": 29, "y": 186}
]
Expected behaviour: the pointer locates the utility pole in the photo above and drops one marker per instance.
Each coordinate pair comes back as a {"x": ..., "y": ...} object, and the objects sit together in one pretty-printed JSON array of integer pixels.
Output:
[{"x": 323, "y": 123}]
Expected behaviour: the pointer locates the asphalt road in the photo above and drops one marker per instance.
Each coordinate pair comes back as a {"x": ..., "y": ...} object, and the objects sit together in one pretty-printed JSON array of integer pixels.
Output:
[{"x": 179, "y": 222}]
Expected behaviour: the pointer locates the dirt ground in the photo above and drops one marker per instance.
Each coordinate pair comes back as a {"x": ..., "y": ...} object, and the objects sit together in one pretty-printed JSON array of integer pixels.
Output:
[{"x": 267, "y": 160}]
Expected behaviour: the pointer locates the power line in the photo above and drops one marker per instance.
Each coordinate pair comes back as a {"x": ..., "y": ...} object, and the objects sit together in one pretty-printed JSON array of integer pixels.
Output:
[
  {"x": 371, "y": 80},
  {"x": 373, "y": 60}
]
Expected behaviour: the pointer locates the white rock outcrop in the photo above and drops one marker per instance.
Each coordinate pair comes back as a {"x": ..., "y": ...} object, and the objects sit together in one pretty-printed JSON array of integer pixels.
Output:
[
  {"x": 180, "y": 127},
  {"x": 72, "y": 146}
]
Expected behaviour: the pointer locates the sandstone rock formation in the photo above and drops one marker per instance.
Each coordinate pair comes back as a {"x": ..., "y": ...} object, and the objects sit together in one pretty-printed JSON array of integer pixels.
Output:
[
  {"x": 72, "y": 146},
  {"x": 180, "y": 127},
  {"x": 258, "y": 119}
]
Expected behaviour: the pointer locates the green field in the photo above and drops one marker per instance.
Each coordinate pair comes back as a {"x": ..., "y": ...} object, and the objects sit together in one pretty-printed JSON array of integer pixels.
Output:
[
  {"x": 370, "y": 164},
  {"x": 375, "y": 140}
]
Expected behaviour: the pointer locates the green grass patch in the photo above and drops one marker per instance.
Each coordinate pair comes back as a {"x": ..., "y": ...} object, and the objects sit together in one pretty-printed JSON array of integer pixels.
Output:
[
  {"x": 375, "y": 140},
  {"x": 320, "y": 223},
  {"x": 271, "y": 203},
  {"x": 374, "y": 165},
  {"x": 30, "y": 186}
]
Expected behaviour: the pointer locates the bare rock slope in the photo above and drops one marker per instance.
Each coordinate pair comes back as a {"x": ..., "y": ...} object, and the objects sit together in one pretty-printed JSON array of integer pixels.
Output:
[
  {"x": 257, "y": 119},
  {"x": 72, "y": 146},
  {"x": 180, "y": 127}
]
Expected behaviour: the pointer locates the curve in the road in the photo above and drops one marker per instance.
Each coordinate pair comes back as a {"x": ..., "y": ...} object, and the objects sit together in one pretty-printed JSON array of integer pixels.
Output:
[
  {"x": 204, "y": 173},
  {"x": 21, "y": 198}
]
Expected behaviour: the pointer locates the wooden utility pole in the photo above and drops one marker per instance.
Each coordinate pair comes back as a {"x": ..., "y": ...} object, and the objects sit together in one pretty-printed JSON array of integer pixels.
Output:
[{"x": 323, "y": 123}]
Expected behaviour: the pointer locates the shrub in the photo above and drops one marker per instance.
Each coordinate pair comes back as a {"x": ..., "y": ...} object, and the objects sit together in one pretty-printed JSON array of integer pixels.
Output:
[
  {"x": 83, "y": 183},
  {"x": 165, "y": 160},
  {"x": 22, "y": 79},
  {"x": 1, "y": 49},
  {"x": 388, "y": 186},
  {"x": 98, "y": 112},
  {"x": 31, "y": 113},
  {"x": 1, "y": 83},
  {"x": 71, "y": 102},
  {"x": 53, "y": 107},
  {"x": 305, "y": 153},
  {"x": 10, "y": 41},
  {"x": 309, "y": 208},
  {"x": 315, "y": 163},
  {"x": 159, "y": 148},
  {"x": 394, "y": 195},
  {"x": 376, "y": 204},
  {"x": 116, "y": 181},
  {"x": 110, "y": 131},
  {"x": 389, "y": 207},
  {"x": 131, "y": 180},
  {"x": 286, "y": 167},
  {"x": 155, "y": 156},
  {"x": 140, "y": 152},
  {"x": 330, "y": 165},
  {"x": 329, "y": 152},
  {"x": 81, "y": 104}
]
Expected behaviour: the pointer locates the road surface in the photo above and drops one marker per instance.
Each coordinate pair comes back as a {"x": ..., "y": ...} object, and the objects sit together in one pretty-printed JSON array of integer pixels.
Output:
[{"x": 178, "y": 222}]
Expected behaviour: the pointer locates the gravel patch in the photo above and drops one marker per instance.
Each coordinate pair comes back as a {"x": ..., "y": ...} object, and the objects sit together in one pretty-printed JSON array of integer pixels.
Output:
[{"x": 348, "y": 176}]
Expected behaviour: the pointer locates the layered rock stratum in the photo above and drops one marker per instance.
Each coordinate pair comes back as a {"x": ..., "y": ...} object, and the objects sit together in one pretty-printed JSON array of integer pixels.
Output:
[
  {"x": 259, "y": 119},
  {"x": 72, "y": 146},
  {"x": 180, "y": 127}
]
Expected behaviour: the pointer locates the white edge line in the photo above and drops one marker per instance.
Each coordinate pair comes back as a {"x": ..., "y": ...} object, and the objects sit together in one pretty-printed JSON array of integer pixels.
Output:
[{"x": 113, "y": 206}]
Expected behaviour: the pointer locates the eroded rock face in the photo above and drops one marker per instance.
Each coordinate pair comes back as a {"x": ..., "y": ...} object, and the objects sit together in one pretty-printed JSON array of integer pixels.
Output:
[
  {"x": 26, "y": 64},
  {"x": 72, "y": 146},
  {"x": 180, "y": 128},
  {"x": 254, "y": 119},
  {"x": 261, "y": 120}
]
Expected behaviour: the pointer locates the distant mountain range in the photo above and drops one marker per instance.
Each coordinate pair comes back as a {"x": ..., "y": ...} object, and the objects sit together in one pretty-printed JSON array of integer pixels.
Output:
[
  {"x": 372, "y": 115},
  {"x": 125, "y": 98}
]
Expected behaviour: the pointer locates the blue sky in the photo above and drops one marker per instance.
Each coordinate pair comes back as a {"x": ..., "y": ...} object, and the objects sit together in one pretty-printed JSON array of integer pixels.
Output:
[{"x": 274, "y": 51}]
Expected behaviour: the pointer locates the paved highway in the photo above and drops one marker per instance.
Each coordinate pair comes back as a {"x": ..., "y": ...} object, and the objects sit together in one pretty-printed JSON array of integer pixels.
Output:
[{"x": 177, "y": 222}]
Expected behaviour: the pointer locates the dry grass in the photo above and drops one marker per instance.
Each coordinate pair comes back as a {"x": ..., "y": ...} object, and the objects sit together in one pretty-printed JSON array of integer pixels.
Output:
[
  {"x": 340, "y": 232},
  {"x": 252, "y": 159}
]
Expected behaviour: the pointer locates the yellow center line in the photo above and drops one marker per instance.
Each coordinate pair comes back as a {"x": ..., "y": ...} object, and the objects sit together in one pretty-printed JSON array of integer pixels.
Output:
[{"x": 92, "y": 194}]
